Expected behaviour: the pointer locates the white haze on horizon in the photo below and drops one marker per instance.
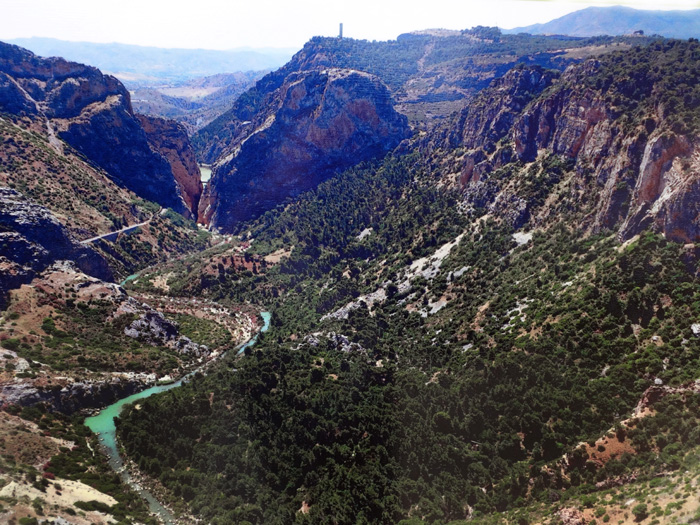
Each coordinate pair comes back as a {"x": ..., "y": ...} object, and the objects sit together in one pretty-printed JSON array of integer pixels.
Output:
[{"x": 217, "y": 24}]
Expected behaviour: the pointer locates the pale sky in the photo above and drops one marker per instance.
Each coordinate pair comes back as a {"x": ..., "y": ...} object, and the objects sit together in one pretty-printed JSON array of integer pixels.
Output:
[{"x": 219, "y": 24}]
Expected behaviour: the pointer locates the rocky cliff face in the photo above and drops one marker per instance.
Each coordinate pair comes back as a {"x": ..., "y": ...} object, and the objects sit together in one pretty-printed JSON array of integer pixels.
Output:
[
  {"x": 639, "y": 176},
  {"x": 31, "y": 239},
  {"x": 314, "y": 125},
  {"x": 490, "y": 116},
  {"x": 91, "y": 112},
  {"x": 430, "y": 74},
  {"x": 73, "y": 397},
  {"x": 169, "y": 138}
]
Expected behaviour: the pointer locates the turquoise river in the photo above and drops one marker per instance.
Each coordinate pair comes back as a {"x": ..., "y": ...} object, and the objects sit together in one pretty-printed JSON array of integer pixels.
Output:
[{"x": 103, "y": 425}]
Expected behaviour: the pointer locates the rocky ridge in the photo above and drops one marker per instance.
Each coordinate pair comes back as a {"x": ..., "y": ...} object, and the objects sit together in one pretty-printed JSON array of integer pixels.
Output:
[
  {"x": 315, "y": 125},
  {"x": 92, "y": 113},
  {"x": 152, "y": 327},
  {"x": 75, "y": 396},
  {"x": 32, "y": 238},
  {"x": 429, "y": 74},
  {"x": 641, "y": 176}
]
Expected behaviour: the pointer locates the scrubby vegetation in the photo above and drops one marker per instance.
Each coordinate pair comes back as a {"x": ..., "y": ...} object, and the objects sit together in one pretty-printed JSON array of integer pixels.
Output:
[
  {"x": 426, "y": 415},
  {"x": 166, "y": 236},
  {"x": 426, "y": 364},
  {"x": 79, "y": 463},
  {"x": 664, "y": 75},
  {"x": 85, "y": 337},
  {"x": 430, "y": 359}
]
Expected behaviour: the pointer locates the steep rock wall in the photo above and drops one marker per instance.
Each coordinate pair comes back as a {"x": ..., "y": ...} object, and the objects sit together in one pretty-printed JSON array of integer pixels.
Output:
[
  {"x": 91, "y": 112},
  {"x": 169, "y": 138},
  {"x": 74, "y": 396},
  {"x": 31, "y": 239},
  {"x": 317, "y": 124},
  {"x": 644, "y": 175}
]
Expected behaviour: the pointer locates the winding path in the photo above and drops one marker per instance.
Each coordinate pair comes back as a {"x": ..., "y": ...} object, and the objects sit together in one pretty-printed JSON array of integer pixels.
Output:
[{"x": 125, "y": 229}]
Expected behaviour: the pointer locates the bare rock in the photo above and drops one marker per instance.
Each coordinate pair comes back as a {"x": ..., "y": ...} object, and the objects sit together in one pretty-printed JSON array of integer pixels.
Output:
[
  {"x": 571, "y": 516},
  {"x": 91, "y": 112},
  {"x": 337, "y": 341},
  {"x": 695, "y": 327},
  {"x": 74, "y": 396},
  {"x": 314, "y": 125},
  {"x": 32, "y": 238},
  {"x": 154, "y": 328},
  {"x": 643, "y": 179},
  {"x": 170, "y": 139}
]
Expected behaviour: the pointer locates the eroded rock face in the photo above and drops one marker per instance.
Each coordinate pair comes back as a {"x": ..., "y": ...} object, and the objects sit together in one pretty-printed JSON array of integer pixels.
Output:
[
  {"x": 571, "y": 516},
  {"x": 31, "y": 238},
  {"x": 91, "y": 112},
  {"x": 491, "y": 117},
  {"x": 73, "y": 396},
  {"x": 644, "y": 177},
  {"x": 13, "y": 99},
  {"x": 169, "y": 138},
  {"x": 154, "y": 328},
  {"x": 315, "y": 125}
]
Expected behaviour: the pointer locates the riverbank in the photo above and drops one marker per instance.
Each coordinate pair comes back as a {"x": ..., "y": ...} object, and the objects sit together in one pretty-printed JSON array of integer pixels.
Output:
[{"x": 103, "y": 425}]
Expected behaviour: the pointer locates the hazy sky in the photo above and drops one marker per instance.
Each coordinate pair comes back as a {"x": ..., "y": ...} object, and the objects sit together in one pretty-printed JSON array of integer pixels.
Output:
[{"x": 220, "y": 24}]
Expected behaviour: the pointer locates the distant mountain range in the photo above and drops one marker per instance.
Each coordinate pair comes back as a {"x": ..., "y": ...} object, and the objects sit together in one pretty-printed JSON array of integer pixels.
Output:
[
  {"x": 139, "y": 65},
  {"x": 480, "y": 255},
  {"x": 195, "y": 102},
  {"x": 617, "y": 20}
]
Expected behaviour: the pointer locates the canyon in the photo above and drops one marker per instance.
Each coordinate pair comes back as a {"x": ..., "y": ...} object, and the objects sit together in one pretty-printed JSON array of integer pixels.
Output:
[{"x": 478, "y": 252}]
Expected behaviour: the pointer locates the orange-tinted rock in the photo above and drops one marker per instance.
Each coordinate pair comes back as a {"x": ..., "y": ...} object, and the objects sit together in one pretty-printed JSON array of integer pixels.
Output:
[
  {"x": 313, "y": 126},
  {"x": 91, "y": 112},
  {"x": 644, "y": 178},
  {"x": 170, "y": 139}
]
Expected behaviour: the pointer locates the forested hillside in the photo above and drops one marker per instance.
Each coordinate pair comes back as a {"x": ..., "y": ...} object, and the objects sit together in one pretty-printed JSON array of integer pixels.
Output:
[
  {"x": 489, "y": 315},
  {"x": 446, "y": 347}
]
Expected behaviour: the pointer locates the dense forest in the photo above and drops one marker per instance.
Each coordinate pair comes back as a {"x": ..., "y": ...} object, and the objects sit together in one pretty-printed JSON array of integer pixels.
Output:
[
  {"x": 496, "y": 322},
  {"x": 395, "y": 414},
  {"x": 455, "y": 394},
  {"x": 459, "y": 330}
]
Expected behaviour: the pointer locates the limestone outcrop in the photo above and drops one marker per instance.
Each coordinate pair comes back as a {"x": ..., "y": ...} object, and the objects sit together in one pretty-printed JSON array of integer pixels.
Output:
[
  {"x": 639, "y": 177},
  {"x": 170, "y": 139},
  {"x": 32, "y": 238},
  {"x": 92, "y": 112},
  {"x": 314, "y": 125}
]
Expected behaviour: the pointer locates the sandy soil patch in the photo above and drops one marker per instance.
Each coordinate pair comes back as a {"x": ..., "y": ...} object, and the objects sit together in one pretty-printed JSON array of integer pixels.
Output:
[
  {"x": 276, "y": 256},
  {"x": 586, "y": 51},
  {"x": 480, "y": 316},
  {"x": 161, "y": 281},
  {"x": 23, "y": 440},
  {"x": 70, "y": 492},
  {"x": 59, "y": 496}
]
